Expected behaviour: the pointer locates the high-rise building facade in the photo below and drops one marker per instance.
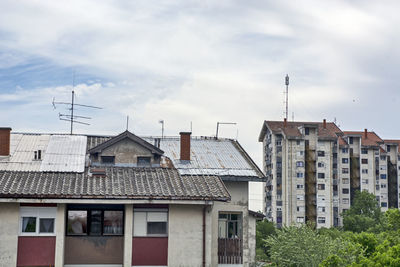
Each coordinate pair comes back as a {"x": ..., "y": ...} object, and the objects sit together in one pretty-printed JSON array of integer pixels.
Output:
[{"x": 315, "y": 168}]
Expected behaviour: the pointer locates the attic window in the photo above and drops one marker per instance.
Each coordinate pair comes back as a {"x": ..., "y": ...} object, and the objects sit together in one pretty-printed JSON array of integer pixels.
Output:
[
  {"x": 37, "y": 155},
  {"x": 143, "y": 161},
  {"x": 108, "y": 159}
]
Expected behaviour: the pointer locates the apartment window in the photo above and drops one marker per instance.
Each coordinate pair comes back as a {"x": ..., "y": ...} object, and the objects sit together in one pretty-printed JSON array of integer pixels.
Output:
[
  {"x": 345, "y": 160},
  {"x": 345, "y": 150},
  {"x": 300, "y": 197},
  {"x": 300, "y": 219},
  {"x": 388, "y": 148},
  {"x": 321, "y": 186},
  {"x": 150, "y": 222},
  {"x": 321, "y": 175},
  {"x": 95, "y": 221},
  {"x": 345, "y": 170},
  {"x": 321, "y": 153},
  {"x": 300, "y": 153},
  {"x": 383, "y": 157},
  {"x": 298, "y": 142},
  {"x": 321, "y": 219},
  {"x": 37, "y": 220},
  {"x": 108, "y": 159},
  {"x": 299, "y": 164},
  {"x": 383, "y": 176},
  {"x": 382, "y": 168},
  {"x": 321, "y": 209},
  {"x": 383, "y": 185},
  {"x": 364, "y": 161},
  {"x": 346, "y": 201},
  {"x": 383, "y": 204},
  {"x": 345, "y": 180},
  {"x": 299, "y": 175},
  {"x": 345, "y": 190},
  {"x": 278, "y": 142},
  {"x": 321, "y": 165},
  {"x": 300, "y": 186},
  {"x": 143, "y": 161},
  {"x": 229, "y": 225},
  {"x": 365, "y": 181},
  {"x": 306, "y": 131},
  {"x": 365, "y": 171},
  {"x": 350, "y": 140},
  {"x": 364, "y": 151},
  {"x": 300, "y": 208}
]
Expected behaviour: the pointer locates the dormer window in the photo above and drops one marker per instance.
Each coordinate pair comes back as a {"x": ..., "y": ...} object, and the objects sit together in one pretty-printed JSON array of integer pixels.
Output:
[
  {"x": 37, "y": 155},
  {"x": 143, "y": 161},
  {"x": 108, "y": 159}
]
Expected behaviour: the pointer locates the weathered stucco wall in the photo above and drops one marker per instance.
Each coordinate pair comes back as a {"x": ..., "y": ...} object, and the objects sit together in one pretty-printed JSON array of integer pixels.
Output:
[
  {"x": 185, "y": 236},
  {"x": 252, "y": 239},
  {"x": 127, "y": 151},
  {"x": 9, "y": 221}
]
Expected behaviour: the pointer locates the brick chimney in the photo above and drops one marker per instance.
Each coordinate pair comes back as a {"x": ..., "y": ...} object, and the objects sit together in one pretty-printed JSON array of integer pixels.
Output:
[
  {"x": 284, "y": 122},
  {"x": 5, "y": 141},
  {"x": 324, "y": 123},
  {"x": 185, "y": 145},
  {"x": 365, "y": 133}
]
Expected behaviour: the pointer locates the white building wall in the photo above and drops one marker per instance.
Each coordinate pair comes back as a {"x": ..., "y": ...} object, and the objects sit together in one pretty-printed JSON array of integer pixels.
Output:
[{"x": 9, "y": 222}]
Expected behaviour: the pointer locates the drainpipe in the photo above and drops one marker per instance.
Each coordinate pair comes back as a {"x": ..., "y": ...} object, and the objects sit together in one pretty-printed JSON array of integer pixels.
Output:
[{"x": 204, "y": 235}]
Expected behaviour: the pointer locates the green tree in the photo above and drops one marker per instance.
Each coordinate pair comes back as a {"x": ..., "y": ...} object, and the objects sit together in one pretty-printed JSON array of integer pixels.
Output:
[
  {"x": 264, "y": 230},
  {"x": 393, "y": 219},
  {"x": 364, "y": 214}
]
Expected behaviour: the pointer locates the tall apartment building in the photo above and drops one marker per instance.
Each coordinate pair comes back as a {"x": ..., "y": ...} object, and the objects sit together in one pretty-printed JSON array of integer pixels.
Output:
[{"x": 315, "y": 168}]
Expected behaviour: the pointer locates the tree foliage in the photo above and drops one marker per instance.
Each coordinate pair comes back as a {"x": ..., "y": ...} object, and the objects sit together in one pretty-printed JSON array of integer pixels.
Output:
[{"x": 364, "y": 214}]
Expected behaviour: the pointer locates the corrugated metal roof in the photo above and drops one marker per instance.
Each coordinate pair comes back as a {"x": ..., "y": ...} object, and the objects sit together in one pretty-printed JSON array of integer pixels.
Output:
[
  {"x": 22, "y": 148},
  {"x": 220, "y": 157},
  {"x": 65, "y": 153},
  {"x": 118, "y": 183}
]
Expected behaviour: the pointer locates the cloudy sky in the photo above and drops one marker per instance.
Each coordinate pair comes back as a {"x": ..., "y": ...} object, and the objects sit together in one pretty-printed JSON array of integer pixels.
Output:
[{"x": 200, "y": 62}]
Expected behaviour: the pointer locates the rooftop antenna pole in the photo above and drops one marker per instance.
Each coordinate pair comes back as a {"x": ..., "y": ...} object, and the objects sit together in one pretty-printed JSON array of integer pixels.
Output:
[
  {"x": 162, "y": 128},
  {"x": 287, "y": 96},
  {"x": 218, "y": 123},
  {"x": 127, "y": 122},
  {"x": 72, "y": 118}
]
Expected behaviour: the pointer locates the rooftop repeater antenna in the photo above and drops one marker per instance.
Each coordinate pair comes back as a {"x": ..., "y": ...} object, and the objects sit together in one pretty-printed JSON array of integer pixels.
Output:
[
  {"x": 287, "y": 97},
  {"x": 71, "y": 117}
]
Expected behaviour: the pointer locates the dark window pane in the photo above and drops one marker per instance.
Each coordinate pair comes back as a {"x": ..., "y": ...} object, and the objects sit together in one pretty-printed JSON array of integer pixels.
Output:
[
  {"x": 108, "y": 159},
  {"x": 95, "y": 222},
  {"x": 156, "y": 228},
  {"x": 77, "y": 222},
  {"x": 113, "y": 222},
  {"x": 223, "y": 216},
  {"x": 29, "y": 224},
  {"x": 46, "y": 226},
  {"x": 143, "y": 161}
]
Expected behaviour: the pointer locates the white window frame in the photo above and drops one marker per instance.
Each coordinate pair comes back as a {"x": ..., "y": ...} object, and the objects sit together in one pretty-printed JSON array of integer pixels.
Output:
[
  {"x": 38, "y": 213},
  {"x": 147, "y": 211}
]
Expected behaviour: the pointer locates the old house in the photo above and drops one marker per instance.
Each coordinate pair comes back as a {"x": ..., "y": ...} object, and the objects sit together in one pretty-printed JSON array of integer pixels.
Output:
[{"x": 79, "y": 200}]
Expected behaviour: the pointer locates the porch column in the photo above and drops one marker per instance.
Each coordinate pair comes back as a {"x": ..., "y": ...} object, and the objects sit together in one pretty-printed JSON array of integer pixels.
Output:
[
  {"x": 60, "y": 235},
  {"x": 128, "y": 234}
]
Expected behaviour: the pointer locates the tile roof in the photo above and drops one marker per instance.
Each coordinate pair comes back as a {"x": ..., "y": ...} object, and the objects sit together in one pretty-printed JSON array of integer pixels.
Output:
[
  {"x": 119, "y": 183},
  {"x": 372, "y": 139},
  {"x": 342, "y": 142},
  {"x": 292, "y": 129}
]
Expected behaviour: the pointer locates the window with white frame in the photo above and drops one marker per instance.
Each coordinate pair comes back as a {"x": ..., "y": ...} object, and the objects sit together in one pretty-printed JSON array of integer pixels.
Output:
[
  {"x": 300, "y": 186},
  {"x": 321, "y": 219},
  {"x": 229, "y": 225},
  {"x": 300, "y": 219},
  {"x": 345, "y": 201},
  {"x": 37, "y": 220},
  {"x": 150, "y": 222},
  {"x": 300, "y": 197},
  {"x": 321, "y": 209}
]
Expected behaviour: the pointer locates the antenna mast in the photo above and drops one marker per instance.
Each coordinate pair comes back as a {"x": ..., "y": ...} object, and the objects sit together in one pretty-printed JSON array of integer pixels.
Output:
[{"x": 287, "y": 96}]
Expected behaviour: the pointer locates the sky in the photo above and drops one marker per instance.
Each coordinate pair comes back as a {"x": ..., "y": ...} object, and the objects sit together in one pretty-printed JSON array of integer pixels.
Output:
[{"x": 198, "y": 63}]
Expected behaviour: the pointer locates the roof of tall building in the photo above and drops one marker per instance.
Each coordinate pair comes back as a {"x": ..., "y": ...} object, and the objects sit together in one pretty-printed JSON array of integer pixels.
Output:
[
  {"x": 393, "y": 141},
  {"x": 292, "y": 129},
  {"x": 117, "y": 183},
  {"x": 372, "y": 139}
]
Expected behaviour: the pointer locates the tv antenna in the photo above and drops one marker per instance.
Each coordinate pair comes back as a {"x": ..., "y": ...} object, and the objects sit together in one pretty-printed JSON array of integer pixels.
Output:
[
  {"x": 71, "y": 117},
  {"x": 162, "y": 128},
  {"x": 287, "y": 96},
  {"x": 219, "y": 123}
]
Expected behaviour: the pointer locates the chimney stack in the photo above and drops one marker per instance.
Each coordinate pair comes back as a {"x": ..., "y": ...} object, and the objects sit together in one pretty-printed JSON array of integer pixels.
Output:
[
  {"x": 324, "y": 123},
  {"x": 185, "y": 145},
  {"x": 284, "y": 122},
  {"x": 5, "y": 141},
  {"x": 365, "y": 133}
]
